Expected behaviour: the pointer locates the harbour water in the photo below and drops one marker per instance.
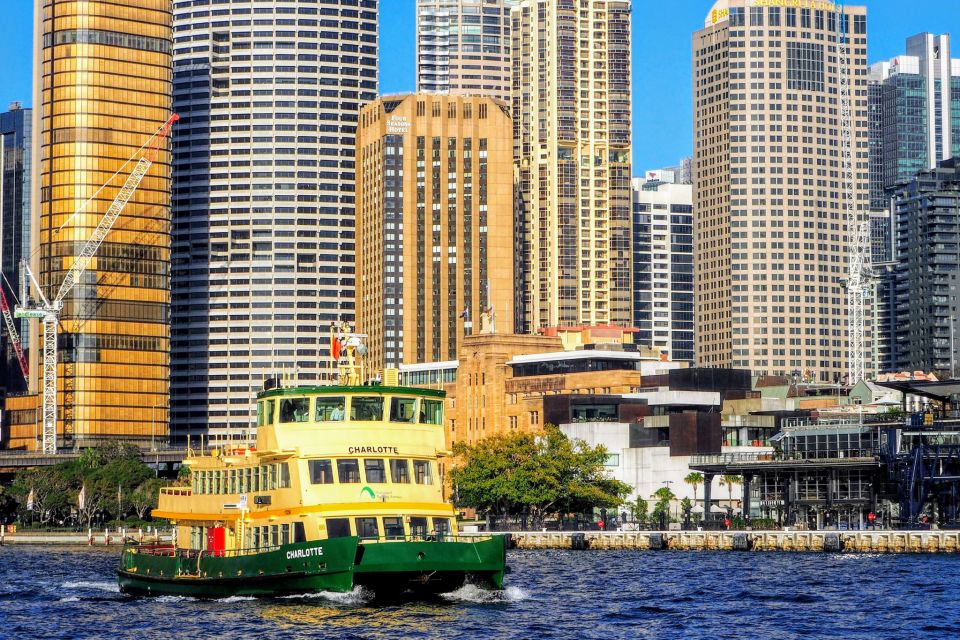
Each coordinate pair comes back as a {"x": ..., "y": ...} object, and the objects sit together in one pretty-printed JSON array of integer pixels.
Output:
[{"x": 72, "y": 593}]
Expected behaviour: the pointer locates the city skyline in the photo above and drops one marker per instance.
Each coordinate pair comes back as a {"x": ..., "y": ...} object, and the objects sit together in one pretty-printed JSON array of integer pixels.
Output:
[{"x": 661, "y": 61}]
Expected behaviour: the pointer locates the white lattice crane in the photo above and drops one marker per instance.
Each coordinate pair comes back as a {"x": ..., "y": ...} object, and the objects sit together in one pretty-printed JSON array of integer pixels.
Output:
[
  {"x": 858, "y": 229},
  {"x": 48, "y": 311}
]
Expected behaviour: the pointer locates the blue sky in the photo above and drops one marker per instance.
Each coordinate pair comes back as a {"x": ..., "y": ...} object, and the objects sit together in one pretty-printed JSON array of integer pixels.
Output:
[{"x": 661, "y": 55}]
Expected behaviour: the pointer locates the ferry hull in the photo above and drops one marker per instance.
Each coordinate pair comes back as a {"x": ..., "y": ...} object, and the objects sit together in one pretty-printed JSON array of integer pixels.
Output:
[
  {"x": 392, "y": 568},
  {"x": 327, "y": 565}
]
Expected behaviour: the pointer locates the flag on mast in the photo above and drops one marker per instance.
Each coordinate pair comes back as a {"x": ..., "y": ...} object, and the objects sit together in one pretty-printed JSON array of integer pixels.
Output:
[
  {"x": 30, "y": 500},
  {"x": 82, "y": 498}
]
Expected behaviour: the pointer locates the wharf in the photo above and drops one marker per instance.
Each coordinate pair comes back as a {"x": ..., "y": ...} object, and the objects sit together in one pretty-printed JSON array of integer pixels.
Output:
[{"x": 817, "y": 541}]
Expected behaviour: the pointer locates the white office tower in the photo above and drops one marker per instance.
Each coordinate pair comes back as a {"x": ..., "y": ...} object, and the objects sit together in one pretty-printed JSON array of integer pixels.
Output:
[{"x": 263, "y": 197}]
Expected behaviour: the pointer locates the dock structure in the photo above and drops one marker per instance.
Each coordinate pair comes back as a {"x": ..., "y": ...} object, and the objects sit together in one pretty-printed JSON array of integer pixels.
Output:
[{"x": 815, "y": 541}]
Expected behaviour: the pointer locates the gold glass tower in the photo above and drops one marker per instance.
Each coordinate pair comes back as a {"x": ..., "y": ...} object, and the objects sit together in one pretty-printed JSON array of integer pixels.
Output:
[
  {"x": 103, "y": 88},
  {"x": 434, "y": 225},
  {"x": 571, "y": 106}
]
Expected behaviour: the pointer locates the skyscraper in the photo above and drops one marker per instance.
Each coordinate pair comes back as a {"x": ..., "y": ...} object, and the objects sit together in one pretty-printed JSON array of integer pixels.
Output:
[
  {"x": 103, "y": 72},
  {"x": 571, "y": 106},
  {"x": 771, "y": 239},
  {"x": 16, "y": 151},
  {"x": 927, "y": 272},
  {"x": 263, "y": 207},
  {"x": 463, "y": 47},
  {"x": 663, "y": 264},
  {"x": 915, "y": 99},
  {"x": 434, "y": 225}
]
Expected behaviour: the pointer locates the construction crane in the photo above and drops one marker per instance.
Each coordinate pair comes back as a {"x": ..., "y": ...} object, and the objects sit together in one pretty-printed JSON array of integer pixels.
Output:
[
  {"x": 858, "y": 230},
  {"x": 14, "y": 337},
  {"x": 48, "y": 311}
]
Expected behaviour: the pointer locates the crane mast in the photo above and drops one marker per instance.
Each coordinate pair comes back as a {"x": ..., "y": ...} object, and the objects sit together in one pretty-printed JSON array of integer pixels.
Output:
[
  {"x": 858, "y": 231},
  {"x": 48, "y": 311}
]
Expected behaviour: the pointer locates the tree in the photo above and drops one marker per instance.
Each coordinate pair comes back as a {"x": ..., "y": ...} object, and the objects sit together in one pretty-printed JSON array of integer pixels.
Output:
[
  {"x": 730, "y": 480},
  {"x": 638, "y": 510},
  {"x": 105, "y": 473},
  {"x": 144, "y": 497},
  {"x": 536, "y": 474},
  {"x": 694, "y": 479},
  {"x": 661, "y": 512}
]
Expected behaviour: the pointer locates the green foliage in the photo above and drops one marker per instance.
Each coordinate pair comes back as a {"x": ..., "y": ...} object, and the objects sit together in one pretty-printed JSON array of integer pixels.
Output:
[
  {"x": 730, "y": 480},
  {"x": 639, "y": 510},
  {"x": 110, "y": 474},
  {"x": 535, "y": 473},
  {"x": 686, "y": 504},
  {"x": 694, "y": 479},
  {"x": 662, "y": 509}
]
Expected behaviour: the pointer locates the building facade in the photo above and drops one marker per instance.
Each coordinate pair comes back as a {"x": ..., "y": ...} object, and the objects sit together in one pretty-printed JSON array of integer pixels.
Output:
[
  {"x": 102, "y": 89},
  {"x": 463, "y": 47},
  {"x": 434, "y": 225},
  {"x": 916, "y": 97},
  {"x": 16, "y": 158},
  {"x": 927, "y": 272},
  {"x": 572, "y": 136},
  {"x": 771, "y": 240},
  {"x": 914, "y": 106},
  {"x": 663, "y": 266},
  {"x": 263, "y": 206}
]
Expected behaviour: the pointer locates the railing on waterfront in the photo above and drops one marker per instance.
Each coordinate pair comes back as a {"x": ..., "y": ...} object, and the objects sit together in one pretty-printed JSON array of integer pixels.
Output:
[{"x": 845, "y": 455}]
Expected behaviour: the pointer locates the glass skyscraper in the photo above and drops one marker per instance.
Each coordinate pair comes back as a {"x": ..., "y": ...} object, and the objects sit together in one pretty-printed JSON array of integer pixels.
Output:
[
  {"x": 16, "y": 151},
  {"x": 263, "y": 204},
  {"x": 103, "y": 88}
]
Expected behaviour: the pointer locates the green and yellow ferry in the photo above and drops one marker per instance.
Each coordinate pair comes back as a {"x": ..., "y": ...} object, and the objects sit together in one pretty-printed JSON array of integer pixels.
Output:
[{"x": 341, "y": 490}]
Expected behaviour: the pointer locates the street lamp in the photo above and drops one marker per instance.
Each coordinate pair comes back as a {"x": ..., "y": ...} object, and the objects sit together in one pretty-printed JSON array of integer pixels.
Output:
[{"x": 153, "y": 429}]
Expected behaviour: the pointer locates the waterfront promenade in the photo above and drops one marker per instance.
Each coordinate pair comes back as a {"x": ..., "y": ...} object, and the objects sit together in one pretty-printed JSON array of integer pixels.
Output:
[
  {"x": 880, "y": 541},
  {"x": 816, "y": 541}
]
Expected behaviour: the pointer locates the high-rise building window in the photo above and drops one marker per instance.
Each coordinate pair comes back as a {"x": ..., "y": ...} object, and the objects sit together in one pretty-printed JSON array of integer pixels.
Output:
[{"x": 805, "y": 66}]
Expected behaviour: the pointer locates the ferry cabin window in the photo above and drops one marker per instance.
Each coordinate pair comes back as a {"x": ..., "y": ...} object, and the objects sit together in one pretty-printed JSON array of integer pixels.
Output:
[
  {"x": 421, "y": 472},
  {"x": 285, "y": 533},
  {"x": 329, "y": 409},
  {"x": 256, "y": 537},
  {"x": 441, "y": 526},
  {"x": 418, "y": 527},
  {"x": 402, "y": 409},
  {"x": 431, "y": 412},
  {"x": 375, "y": 470},
  {"x": 367, "y": 528},
  {"x": 338, "y": 528},
  {"x": 348, "y": 470},
  {"x": 265, "y": 412},
  {"x": 400, "y": 471},
  {"x": 284, "y": 476},
  {"x": 393, "y": 528},
  {"x": 321, "y": 472},
  {"x": 366, "y": 408},
  {"x": 299, "y": 534},
  {"x": 294, "y": 410}
]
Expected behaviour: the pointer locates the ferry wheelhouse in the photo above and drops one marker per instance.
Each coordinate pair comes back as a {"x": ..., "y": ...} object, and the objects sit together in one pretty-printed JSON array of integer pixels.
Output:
[{"x": 341, "y": 489}]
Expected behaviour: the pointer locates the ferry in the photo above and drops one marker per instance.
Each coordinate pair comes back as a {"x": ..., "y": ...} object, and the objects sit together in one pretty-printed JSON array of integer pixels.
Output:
[{"x": 340, "y": 490}]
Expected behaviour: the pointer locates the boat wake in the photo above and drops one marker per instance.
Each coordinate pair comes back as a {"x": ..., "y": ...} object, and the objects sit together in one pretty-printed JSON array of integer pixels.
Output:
[
  {"x": 473, "y": 593},
  {"x": 358, "y": 597},
  {"x": 112, "y": 587}
]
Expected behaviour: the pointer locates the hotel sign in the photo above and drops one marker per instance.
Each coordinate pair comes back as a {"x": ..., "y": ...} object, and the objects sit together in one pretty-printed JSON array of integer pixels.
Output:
[
  {"x": 398, "y": 125},
  {"x": 823, "y": 5}
]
